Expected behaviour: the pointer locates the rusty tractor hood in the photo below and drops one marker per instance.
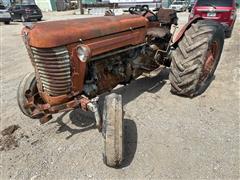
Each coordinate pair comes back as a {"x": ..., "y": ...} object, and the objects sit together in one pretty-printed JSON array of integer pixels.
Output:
[{"x": 57, "y": 33}]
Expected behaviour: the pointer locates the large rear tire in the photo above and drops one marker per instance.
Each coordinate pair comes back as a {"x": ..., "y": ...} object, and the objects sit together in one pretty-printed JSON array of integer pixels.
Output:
[
  {"x": 195, "y": 59},
  {"x": 228, "y": 33},
  {"x": 28, "y": 83},
  {"x": 112, "y": 130}
]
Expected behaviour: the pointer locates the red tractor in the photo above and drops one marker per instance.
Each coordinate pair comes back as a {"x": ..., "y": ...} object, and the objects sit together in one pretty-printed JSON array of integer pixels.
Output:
[{"x": 77, "y": 60}]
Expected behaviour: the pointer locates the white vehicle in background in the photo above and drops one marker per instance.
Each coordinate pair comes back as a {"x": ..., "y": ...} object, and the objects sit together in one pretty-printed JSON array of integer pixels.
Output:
[
  {"x": 4, "y": 15},
  {"x": 126, "y": 4},
  {"x": 179, "y": 6}
]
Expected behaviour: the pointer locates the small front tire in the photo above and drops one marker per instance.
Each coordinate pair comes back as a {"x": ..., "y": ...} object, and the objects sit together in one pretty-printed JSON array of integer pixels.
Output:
[
  {"x": 112, "y": 130},
  {"x": 28, "y": 83},
  {"x": 7, "y": 22},
  {"x": 228, "y": 33}
]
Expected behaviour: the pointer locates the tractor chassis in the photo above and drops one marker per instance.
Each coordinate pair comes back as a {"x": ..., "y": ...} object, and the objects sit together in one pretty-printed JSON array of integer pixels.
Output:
[{"x": 45, "y": 111}]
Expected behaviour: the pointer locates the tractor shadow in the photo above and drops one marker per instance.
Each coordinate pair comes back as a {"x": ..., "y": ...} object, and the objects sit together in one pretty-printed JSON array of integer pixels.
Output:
[
  {"x": 85, "y": 121},
  {"x": 130, "y": 142},
  {"x": 138, "y": 87},
  {"x": 82, "y": 121}
]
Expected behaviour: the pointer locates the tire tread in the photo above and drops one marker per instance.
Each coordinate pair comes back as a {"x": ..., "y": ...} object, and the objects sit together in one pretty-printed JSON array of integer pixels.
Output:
[{"x": 188, "y": 58}]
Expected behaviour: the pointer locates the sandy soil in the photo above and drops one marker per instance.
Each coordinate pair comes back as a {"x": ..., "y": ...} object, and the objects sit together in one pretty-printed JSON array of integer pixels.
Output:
[{"x": 167, "y": 137}]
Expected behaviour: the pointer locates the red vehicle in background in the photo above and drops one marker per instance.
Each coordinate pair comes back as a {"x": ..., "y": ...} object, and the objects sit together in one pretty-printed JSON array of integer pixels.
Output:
[{"x": 223, "y": 11}]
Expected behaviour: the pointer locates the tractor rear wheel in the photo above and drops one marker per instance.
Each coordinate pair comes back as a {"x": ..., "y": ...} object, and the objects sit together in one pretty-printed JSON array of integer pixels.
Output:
[
  {"x": 112, "y": 130},
  {"x": 28, "y": 83},
  {"x": 228, "y": 33},
  {"x": 195, "y": 59}
]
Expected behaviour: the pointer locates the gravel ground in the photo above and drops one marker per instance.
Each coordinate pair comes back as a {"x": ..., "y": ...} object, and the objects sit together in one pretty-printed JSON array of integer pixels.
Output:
[{"x": 167, "y": 137}]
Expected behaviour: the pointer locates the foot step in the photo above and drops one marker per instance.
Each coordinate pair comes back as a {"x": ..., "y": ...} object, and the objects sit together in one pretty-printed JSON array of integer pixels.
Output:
[{"x": 155, "y": 72}]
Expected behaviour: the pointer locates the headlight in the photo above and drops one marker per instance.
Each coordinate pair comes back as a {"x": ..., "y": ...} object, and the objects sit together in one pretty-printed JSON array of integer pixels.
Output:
[{"x": 83, "y": 53}]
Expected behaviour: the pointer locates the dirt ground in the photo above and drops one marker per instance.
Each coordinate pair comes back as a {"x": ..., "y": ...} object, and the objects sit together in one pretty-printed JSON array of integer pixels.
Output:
[{"x": 167, "y": 137}]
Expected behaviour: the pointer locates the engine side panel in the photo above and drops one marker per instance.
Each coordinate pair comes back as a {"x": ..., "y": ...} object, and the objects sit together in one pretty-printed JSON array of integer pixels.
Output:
[{"x": 113, "y": 42}]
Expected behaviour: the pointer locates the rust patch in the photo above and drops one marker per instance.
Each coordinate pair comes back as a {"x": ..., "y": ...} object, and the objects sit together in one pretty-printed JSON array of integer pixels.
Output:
[
  {"x": 54, "y": 100},
  {"x": 78, "y": 69},
  {"x": 72, "y": 30},
  {"x": 111, "y": 42}
]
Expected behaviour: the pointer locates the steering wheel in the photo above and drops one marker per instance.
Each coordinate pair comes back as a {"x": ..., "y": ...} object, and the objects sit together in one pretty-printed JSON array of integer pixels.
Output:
[
  {"x": 147, "y": 10},
  {"x": 143, "y": 10},
  {"x": 132, "y": 10}
]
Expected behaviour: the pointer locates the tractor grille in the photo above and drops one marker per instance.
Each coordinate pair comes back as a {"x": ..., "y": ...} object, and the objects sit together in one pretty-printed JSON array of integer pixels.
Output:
[{"x": 53, "y": 66}]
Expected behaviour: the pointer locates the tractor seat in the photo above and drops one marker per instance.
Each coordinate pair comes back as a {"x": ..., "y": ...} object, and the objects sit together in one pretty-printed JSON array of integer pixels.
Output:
[{"x": 167, "y": 16}]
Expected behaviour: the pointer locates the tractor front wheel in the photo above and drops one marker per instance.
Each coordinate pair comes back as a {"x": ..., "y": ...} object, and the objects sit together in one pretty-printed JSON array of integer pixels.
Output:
[
  {"x": 196, "y": 58},
  {"x": 27, "y": 85},
  {"x": 112, "y": 130}
]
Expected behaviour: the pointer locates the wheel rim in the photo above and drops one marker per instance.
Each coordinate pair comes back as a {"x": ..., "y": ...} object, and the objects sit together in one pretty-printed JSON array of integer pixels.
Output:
[
  {"x": 210, "y": 61},
  {"x": 28, "y": 84}
]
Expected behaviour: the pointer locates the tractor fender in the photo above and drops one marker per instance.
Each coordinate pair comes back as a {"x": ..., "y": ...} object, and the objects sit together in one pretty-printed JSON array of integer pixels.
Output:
[{"x": 185, "y": 28}]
